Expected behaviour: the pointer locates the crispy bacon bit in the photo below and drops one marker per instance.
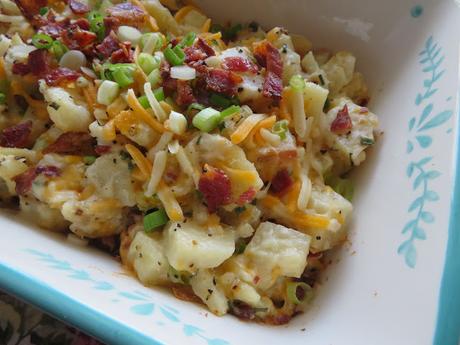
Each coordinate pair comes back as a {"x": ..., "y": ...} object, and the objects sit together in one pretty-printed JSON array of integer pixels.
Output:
[
  {"x": 246, "y": 196},
  {"x": 268, "y": 56},
  {"x": 124, "y": 54},
  {"x": 17, "y": 135},
  {"x": 48, "y": 170},
  {"x": 222, "y": 81},
  {"x": 24, "y": 181},
  {"x": 38, "y": 62},
  {"x": 169, "y": 84},
  {"x": 273, "y": 83},
  {"x": 102, "y": 149},
  {"x": 201, "y": 43},
  {"x": 193, "y": 54},
  {"x": 127, "y": 13},
  {"x": 111, "y": 24},
  {"x": 53, "y": 29},
  {"x": 61, "y": 75},
  {"x": 30, "y": 8},
  {"x": 215, "y": 186},
  {"x": 76, "y": 38},
  {"x": 184, "y": 93},
  {"x": 108, "y": 45},
  {"x": 281, "y": 182},
  {"x": 73, "y": 143},
  {"x": 342, "y": 123},
  {"x": 239, "y": 64},
  {"x": 78, "y": 7},
  {"x": 20, "y": 68},
  {"x": 82, "y": 23},
  {"x": 260, "y": 53}
]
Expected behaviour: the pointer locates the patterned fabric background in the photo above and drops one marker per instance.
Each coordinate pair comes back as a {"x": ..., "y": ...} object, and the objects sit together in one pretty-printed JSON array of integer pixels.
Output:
[{"x": 22, "y": 324}]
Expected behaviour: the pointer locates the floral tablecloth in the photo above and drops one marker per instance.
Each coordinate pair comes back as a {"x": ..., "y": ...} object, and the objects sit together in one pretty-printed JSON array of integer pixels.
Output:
[{"x": 22, "y": 324}]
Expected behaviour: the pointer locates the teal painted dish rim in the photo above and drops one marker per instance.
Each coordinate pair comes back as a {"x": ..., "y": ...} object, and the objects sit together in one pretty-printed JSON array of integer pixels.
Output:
[
  {"x": 69, "y": 310},
  {"x": 447, "y": 331}
]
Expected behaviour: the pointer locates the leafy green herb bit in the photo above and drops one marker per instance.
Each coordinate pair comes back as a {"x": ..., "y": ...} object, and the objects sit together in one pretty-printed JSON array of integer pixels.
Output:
[{"x": 367, "y": 141}]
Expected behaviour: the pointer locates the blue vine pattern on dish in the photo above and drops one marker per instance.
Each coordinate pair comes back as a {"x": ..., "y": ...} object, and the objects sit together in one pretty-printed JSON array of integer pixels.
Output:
[
  {"x": 140, "y": 303},
  {"x": 418, "y": 170}
]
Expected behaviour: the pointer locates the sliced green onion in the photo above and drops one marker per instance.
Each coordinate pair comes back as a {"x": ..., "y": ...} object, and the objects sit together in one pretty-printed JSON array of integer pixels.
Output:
[
  {"x": 207, "y": 119},
  {"x": 42, "y": 11},
  {"x": 155, "y": 219},
  {"x": 122, "y": 73},
  {"x": 183, "y": 72},
  {"x": 195, "y": 106},
  {"x": 367, "y": 141},
  {"x": 154, "y": 77},
  {"x": 144, "y": 102},
  {"x": 42, "y": 41},
  {"x": 342, "y": 186},
  {"x": 58, "y": 49},
  {"x": 280, "y": 128},
  {"x": 148, "y": 62},
  {"x": 179, "y": 52},
  {"x": 293, "y": 293},
  {"x": 88, "y": 160},
  {"x": 159, "y": 95},
  {"x": 175, "y": 56},
  {"x": 107, "y": 92},
  {"x": 231, "y": 110},
  {"x": 188, "y": 40},
  {"x": 129, "y": 33},
  {"x": 96, "y": 24},
  {"x": 151, "y": 42},
  {"x": 122, "y": 77},
  {"x": 297, "y": 82},
  {"x": 2, "y": 98},
  {"x": 220, "y": 101}
]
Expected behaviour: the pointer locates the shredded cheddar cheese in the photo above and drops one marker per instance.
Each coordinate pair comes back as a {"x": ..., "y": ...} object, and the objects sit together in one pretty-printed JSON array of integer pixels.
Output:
[
  {"x": 170, "y": 203},
  {"x": 245, "y": 128},
  {"x": 206, "y": 26},
  {"x": 141, "y": 161},
  {"x": 143, "y": 114}
]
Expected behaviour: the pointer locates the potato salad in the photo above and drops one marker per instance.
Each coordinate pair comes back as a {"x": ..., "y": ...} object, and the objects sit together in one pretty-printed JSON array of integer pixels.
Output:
[{"x": 211, "y": 159}]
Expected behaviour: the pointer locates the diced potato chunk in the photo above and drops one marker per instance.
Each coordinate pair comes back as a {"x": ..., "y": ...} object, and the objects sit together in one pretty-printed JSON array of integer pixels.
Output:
[
  {"x": 63, "y": 111},
  {"x": 276, "y": 250},
  {"x": 324, "y": 200},
  {"x": 314, "y": 99},
  {"x": 117, "y": 184},
  {"x": 95, "y": 217},
  {"x": 41, "y": 214},
  {"x": 10, "y": 167},
  {"x": 339, "y": 70},
  {"x": 147, "y": 258},
  {"x": 238, "y": 289},
  {"x": 190, "y": 247},
  {"x": 204, "y": 285}
]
